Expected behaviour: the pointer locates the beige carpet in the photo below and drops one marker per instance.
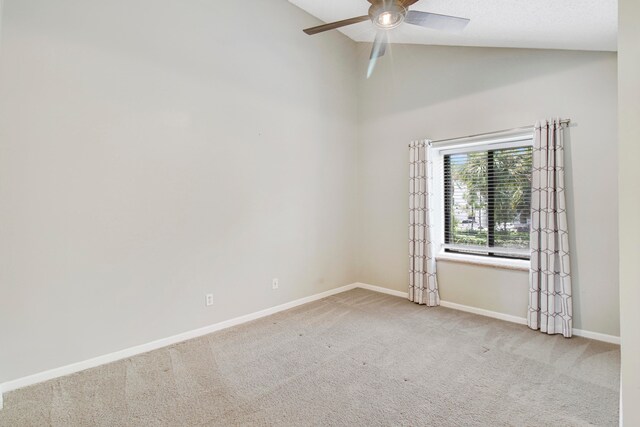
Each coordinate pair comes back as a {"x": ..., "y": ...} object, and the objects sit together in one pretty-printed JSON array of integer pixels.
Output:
[{"x": 357, "y": 358}]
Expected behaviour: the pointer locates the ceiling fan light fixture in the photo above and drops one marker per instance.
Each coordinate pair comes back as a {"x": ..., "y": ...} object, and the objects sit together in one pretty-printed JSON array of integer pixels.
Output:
[
  {"x": 389, "y": 20},
  {"x": 387, "y": 17}
]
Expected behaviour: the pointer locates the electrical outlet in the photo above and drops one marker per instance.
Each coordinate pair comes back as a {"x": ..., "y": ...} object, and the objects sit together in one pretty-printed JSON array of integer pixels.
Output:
[
  {"x": 209, "y": 300},
  {"x": 274, "y": 284}
]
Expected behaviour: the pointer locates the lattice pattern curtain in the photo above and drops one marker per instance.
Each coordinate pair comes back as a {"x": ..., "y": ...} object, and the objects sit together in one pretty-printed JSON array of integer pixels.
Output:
[
  {"x": 550, "y": 306},
  {"x": 423, "y": 285}
]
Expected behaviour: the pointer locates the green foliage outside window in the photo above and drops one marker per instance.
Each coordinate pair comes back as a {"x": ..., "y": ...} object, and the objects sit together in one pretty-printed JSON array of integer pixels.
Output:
[{"x": 511, "y": 199}]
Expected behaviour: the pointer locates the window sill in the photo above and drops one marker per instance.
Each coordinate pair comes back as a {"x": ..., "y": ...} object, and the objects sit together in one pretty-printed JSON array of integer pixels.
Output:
[{"x": 507, "y": 264}]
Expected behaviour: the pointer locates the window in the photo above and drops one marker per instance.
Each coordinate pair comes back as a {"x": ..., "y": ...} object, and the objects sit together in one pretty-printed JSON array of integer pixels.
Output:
[{"x": 487, "y": 199}]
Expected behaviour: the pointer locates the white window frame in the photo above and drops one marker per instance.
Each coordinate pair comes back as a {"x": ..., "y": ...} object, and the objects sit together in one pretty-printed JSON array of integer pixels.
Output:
[{"x": 523, "y": 139}]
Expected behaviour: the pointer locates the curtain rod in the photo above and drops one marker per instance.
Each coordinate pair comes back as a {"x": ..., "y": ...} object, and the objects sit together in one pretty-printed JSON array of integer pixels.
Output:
[{"x": 563, "y": 122}]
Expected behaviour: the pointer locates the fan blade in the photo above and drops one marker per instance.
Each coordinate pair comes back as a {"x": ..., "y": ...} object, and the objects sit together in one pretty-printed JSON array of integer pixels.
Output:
[
  {"x": 378, "y": 50},
  {"x": 435, "y": 21},
  {"x": 334, "y": 25}
]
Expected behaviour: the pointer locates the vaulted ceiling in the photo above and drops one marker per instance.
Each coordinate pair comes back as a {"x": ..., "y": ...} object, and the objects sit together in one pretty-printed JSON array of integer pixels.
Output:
[{"x": 543, "y": 24}]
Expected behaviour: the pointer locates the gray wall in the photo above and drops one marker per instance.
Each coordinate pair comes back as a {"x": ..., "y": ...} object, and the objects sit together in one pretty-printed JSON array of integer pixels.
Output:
[
  {"x": 439, "y": 92},
  {"x": 153, "y": 152},
  {"x": 629, "y": 86}
]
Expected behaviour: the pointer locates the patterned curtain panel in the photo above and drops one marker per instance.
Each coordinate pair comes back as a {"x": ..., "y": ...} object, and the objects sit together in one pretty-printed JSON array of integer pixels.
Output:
[
  {"x": 550, "y": 307},
  {"x": 423, "y": 286}
]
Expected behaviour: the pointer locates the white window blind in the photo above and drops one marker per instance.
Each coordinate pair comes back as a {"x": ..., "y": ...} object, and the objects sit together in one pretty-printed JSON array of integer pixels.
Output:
[{"x": 487, "y": 199}]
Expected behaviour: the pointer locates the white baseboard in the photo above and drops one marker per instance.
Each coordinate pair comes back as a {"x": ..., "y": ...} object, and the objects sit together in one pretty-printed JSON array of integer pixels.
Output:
[
  {"x": 164, "y": 342},
  {"x": 494, "y": 314},
  {"x": 381, "y": 290},
  {"x": 453, "y": 305},
  {"x": 483, "y": 312},
  {"x": 612, "y": 339},
  {"x": 154, "y": 345}
]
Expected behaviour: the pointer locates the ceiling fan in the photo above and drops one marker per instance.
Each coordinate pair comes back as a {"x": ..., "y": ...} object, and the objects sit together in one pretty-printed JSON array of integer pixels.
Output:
[{"x": 389, "y": 14}]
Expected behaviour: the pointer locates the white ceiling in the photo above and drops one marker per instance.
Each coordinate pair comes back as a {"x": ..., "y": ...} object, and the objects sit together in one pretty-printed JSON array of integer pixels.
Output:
[{"x": 545, "y": 24}]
